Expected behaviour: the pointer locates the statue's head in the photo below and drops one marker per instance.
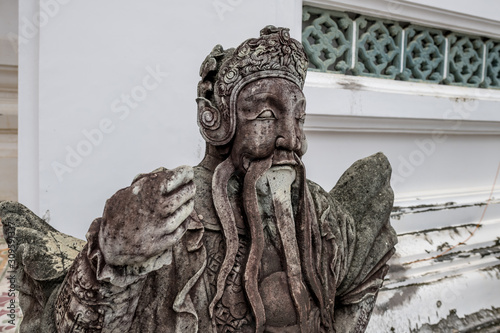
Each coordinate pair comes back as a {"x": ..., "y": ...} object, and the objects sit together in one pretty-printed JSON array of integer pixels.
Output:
[{"x": 250, "y": 100}]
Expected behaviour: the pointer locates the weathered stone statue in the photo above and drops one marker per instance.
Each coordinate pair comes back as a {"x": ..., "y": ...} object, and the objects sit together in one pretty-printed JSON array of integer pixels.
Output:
[{"x": 243, "y": 242}]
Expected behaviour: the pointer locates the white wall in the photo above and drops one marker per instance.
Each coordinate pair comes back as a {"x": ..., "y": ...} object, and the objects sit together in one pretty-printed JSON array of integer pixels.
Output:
[
  {"x": 91, "y": 55},
  {"x": 28, "y": 134},
  {"x": 485, "y": 9}
]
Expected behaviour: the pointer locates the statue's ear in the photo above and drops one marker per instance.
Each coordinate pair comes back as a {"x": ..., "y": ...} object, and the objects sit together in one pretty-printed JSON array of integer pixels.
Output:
[{"x": 214, "y": 127}]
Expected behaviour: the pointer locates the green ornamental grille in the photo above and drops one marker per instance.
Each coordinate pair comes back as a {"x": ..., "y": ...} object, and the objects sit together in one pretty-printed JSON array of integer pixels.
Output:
[{"x": 347, "y": 43}]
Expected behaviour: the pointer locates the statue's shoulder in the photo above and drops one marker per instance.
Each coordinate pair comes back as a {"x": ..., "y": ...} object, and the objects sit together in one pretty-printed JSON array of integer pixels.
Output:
[
  {"x": 203, "y": 202},
  {"x": 202, "y": 178}
]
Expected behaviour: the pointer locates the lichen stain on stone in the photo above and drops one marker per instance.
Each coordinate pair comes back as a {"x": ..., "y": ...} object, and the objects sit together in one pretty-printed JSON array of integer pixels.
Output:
[{"x": 137, "y": 189}]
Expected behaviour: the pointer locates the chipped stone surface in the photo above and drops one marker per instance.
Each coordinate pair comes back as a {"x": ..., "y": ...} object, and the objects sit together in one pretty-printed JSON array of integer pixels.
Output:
[{"x": 43, "y": 257}]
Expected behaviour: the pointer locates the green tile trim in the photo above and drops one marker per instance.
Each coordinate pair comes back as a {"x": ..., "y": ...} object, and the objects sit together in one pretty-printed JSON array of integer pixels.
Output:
[{"x": 354, "y": 44}]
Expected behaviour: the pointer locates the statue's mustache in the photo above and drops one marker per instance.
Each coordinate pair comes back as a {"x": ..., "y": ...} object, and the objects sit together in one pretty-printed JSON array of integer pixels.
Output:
[
  {"x": 284, "y": 157},
  {"x": 278, "y": 157}
]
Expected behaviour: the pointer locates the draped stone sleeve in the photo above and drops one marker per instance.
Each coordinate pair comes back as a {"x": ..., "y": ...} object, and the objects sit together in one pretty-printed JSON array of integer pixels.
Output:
[
  {"x": 356, "y": 240},
  {"x": 364, "y": 193}
]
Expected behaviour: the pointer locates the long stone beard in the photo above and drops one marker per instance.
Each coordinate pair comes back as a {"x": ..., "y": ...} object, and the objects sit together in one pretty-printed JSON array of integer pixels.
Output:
[{"x": 294, "y": 232}]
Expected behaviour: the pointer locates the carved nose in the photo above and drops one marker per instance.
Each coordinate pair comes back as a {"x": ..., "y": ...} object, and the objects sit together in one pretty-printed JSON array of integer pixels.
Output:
[{"x": 290, "y": 142}]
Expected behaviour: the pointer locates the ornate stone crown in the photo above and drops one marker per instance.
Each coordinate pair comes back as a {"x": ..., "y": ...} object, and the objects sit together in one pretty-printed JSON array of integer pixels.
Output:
[{"x": 225, "y": 72}]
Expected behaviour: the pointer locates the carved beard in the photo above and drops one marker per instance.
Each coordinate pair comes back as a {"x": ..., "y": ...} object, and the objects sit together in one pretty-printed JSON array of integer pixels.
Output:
[{"x": 294, "y": 231}]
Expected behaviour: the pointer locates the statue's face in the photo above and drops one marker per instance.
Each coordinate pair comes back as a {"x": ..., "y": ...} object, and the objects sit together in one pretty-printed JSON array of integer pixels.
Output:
[{"x": 270, "y": 116}]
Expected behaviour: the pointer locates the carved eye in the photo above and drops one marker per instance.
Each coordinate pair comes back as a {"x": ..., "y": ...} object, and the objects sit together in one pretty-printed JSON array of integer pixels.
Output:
[
  {"x": 266, "y": 114},
  {"x": 302, "y": 118}
]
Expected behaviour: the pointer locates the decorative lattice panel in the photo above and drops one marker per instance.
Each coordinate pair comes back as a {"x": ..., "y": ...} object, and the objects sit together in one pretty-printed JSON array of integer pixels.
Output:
[
  {"x": 353, "y": 44},
  {"x": 378, "y": 48},
  {"x": 424, "y": 55},
  {"x": 492, "y": 65},
  {"x": 465, "y": 60},
  {"x": 327, "y": 39}
]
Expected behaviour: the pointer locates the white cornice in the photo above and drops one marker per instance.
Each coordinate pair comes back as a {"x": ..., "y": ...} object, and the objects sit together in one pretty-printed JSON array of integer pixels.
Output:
[
  {"x": 417, "y": 14},
  {"x": 415, "y": 202},
  {"x": 363, "y": 124},
  {"x": 340, "y": 81}
]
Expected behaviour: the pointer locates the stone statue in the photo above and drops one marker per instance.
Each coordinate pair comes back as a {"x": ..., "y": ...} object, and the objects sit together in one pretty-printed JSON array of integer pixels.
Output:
[{"x": 243, "y": 242}]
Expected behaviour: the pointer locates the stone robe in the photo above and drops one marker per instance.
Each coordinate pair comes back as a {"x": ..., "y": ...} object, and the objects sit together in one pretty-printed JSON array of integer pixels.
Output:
[{"x": 352, "y": 241}]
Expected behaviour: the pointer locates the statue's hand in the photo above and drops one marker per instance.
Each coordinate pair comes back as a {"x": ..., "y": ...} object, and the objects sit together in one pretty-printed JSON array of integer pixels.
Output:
[{"x": 145, "y": 219}]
